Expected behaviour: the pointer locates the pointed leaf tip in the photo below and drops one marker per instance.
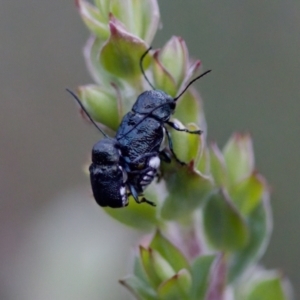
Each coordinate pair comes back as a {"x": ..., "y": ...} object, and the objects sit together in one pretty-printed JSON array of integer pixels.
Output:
[
  {"x": 239, "y": 156},
  {"x": 176, "y": 287},
  {"x": 169, "y": 252},
  {"x": 175, "y": 50}
]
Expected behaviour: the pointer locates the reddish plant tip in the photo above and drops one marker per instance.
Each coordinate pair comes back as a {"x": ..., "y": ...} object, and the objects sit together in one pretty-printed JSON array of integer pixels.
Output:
[
  {"x": 113, "y": 28},
  {"x": 242, "y": 135},
  {"x": 197, "y": 64},
  {"x": 181, "y": 40}
]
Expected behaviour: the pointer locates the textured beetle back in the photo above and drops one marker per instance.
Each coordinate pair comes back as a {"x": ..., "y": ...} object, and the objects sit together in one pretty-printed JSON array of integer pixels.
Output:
[{"x": 152, "y": 103}]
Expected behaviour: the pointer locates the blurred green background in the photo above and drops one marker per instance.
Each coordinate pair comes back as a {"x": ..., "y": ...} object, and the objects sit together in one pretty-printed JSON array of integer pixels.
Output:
[{"x": 55, "y": 242}]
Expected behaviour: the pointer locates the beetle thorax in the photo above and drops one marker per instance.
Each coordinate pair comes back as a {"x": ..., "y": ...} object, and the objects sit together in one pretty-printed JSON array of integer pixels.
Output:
[{"x": 156, "y": 103}]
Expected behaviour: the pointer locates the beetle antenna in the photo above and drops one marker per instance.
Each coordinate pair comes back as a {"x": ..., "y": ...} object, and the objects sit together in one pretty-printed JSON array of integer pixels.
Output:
[
  {"x": 175, "y": 99},
  {"x": 88, "y": 115},
  {"x": 142, "y": 69},
  {"x": 190, "y": 83},
  {"x": 157, "y": 107}
]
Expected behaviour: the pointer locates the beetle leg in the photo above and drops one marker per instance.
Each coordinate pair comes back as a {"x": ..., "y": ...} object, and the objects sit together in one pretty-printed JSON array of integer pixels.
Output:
[
  {"x": 159, "y": 176},
  {"x": 141, "y": 172},
  {"x": 165, "y": 156},
  {"x": 172, "y": 150},
  {"x": 147, "y": 201},
  {"x": 136, "y": 196},
  {"x": 176, "y": 127}
]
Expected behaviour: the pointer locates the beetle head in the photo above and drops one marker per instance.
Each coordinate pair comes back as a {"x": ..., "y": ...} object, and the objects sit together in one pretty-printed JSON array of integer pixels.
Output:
[{"x": 155, "y": 103}]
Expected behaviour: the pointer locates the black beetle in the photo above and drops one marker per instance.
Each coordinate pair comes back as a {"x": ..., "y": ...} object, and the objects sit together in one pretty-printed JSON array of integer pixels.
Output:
[
  {"x": 127, "y": 164},
  {"x": 142, "y": 130},
  {"x": 140, "y": 148},
  {"x": 108, "y": 178},
  {"x": 109, "y": 172}
]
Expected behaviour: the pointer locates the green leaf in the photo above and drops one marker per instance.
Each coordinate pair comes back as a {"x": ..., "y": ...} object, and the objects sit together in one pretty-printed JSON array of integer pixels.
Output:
[
  {"x": 189, "y": 109},
  {"x": 122, "y": 52},
  {"x": 101, "y": 105},
  {"x": 218, "y": 166},
  {"x": 163, "y": 80},
  {"x": 187, "y": 190},
  {"x": 260, "y": 228},
  {"x": 139, "y": 271},
  {"x": 140, "y": 216},
  {"x": 169, "y": 252},
  {"x": 93, "y": 19},
  {"x": 138, "y": 288},
  {"x": 91, "y": 55},
  {"x": 192, "y": 72},
  {"x": 156, "y": 267},
  {"x": 248, "y": 193},
  {"x": 203, "y": 164},
  {"x": 201, "y": 269},
  {"x": 187, "y": 146},
  {"x": 239, "y": 157},
  {"x": 267, "y": 289},
  {"x": 103, "y": 7},
  {"x": 225, "y": 228},
  {"x": 150, "y": 19},
  {"x": 175, "y": 50},
  {"x": 176, "y": 287},
  {"x": 91, "y": 52}
]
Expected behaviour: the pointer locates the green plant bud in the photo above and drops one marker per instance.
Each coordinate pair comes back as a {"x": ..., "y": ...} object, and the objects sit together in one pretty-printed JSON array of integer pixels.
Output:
[
  {"x": 239, "y": 157},
  {"x": 138, "y": 288},
  {"x": 93, "y": 19},
  {"x": 266, "y": 285},
  {"x": 248, "y": 193},
  {"x": 260, "y": 227},
  {"x": 121, "y": 54},
  {"x": 218, "y": 166},
  {"x": 140, "y": 17},
  {"x": 176, "y": 287},
  {"x": 169, "y": 252},
  {"x": 163, "y": 80},
  {"x": 156, "y": 267},
  {"x": 101, "y": 104},
  {"x": 187, "y": 190},
  {"x": 201, "y": 270},
  {"x": 174, "y": 58},
  {"x": 224, "y": 226}
]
